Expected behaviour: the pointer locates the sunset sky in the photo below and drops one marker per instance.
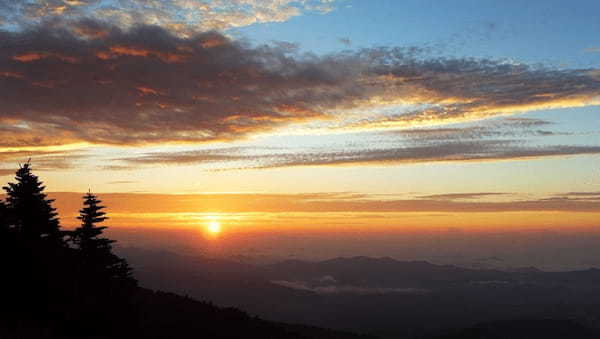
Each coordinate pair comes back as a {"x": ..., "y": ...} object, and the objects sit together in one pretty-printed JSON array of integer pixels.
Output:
[{"x": 309, "y": 116}]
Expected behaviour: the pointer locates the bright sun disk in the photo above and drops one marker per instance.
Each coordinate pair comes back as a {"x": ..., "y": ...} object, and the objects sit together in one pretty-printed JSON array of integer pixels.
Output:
[{"x": 214, "y": 227}]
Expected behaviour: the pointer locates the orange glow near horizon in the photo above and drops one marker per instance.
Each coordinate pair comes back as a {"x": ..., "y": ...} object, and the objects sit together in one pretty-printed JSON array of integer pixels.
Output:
[
  {"x": 315, "y": 213},
  {"x": 363, "y": 222}
]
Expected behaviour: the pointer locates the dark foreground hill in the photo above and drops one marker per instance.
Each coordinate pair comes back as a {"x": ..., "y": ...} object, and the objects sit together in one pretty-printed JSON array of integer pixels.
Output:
[
  {"x": 162, "y": 315},
  {"x": 524, "y": 329},
  {"x": 167, "y": 315}
]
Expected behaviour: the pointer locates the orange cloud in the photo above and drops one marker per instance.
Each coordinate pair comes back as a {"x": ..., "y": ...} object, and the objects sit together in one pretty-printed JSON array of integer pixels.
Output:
[
  {"x": 12, "y": 75},
  {"x": 131, "y": 51},
  {"x": 35, "y": 56},
  {"x": 213, "y": 42},
  {"x": 30, "y": 57},
  {"x": 298, "y": 111},
  {"x": 45, "y": 84},
  {"x": 148, "y": 91},
  {"x": 91, "y": 33},
  {"x": 116, "y": 51}
]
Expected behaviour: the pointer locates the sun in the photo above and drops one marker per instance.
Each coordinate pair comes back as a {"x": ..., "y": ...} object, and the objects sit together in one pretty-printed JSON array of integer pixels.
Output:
[{"x": 214, "y": 227}]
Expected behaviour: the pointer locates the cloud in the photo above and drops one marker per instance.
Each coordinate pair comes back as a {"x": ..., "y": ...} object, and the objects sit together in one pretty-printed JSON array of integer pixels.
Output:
[
  {"x": 187, "y": 157},
  {"x": 506, "y": 127},
  {"x": 97, "y": 83},
  {"x": 42, "y": 160},
  {"x": 472, "y": 89},
  {"x": 346, "y": 289},
  {"x": 6, "y": 171},
  {"x": 345, "y": 41},
  {"x": 487, "y": 141},
  {"x": 440, "y": 151},
  {"x": 583, "y": 194},
  {"x": 327, "y": 279},
  {"x": 129, "y": 88},
  {"x": 181, "y": 16},
  {"x": 525, "y": 122},
  {"x": 575, "y": 196},
  {"x": 462, "y": 196},
  {"x": 448, "y": 151},
  {"x": 122, "y": 182}
]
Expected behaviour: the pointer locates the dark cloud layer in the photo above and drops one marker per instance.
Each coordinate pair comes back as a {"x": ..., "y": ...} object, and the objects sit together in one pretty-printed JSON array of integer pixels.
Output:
[
  {"x": 146, "y": 85},
  {"x": 97, "y": 83}
]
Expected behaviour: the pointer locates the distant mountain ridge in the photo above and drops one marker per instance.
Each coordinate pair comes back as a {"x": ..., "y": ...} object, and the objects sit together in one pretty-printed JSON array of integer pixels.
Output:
[
  {"x": 381, "y": 271},
  {"x": 380, "y": 296},
  {"x": 361, "y": 270}
]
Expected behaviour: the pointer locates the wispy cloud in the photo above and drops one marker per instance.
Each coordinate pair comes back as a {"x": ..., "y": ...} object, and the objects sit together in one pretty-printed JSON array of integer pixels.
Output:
[
  {"x": 346, "y": 289},
  {"x": 490, "y": 141},
  {"x": 43, "y": 160},
  {"x": 594, "y": 49},
  {"x": 507, "y": 127},
  {"x": 121, "y": 182},
  {"x": 447, "y": 151},
  {"x": 462, "y": 196},
  {"x": 575, "y": 196},
  {"x": 188, "y": 157},
  {"x": 583, "y": 194},
  {"x": 345, "y": 41}
]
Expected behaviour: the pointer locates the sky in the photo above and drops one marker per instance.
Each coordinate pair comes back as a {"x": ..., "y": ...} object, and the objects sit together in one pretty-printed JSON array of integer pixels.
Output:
[{"x": 310, "y": 118}]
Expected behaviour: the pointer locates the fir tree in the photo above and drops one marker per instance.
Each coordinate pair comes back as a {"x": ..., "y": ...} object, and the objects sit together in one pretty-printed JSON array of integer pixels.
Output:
[
  {"x": 96, "y": 252},
  {"x": 31, "y": 213},
  {"x": 39, "y": 261}
]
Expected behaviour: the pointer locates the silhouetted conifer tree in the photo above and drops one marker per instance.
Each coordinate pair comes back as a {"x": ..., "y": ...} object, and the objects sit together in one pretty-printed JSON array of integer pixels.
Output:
[
  {"x": 104, "y": 284},
  {"x": 39, "y": 265},
  {"x": 95, "y": 251},
  {"x": 31, "y": 213}
]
